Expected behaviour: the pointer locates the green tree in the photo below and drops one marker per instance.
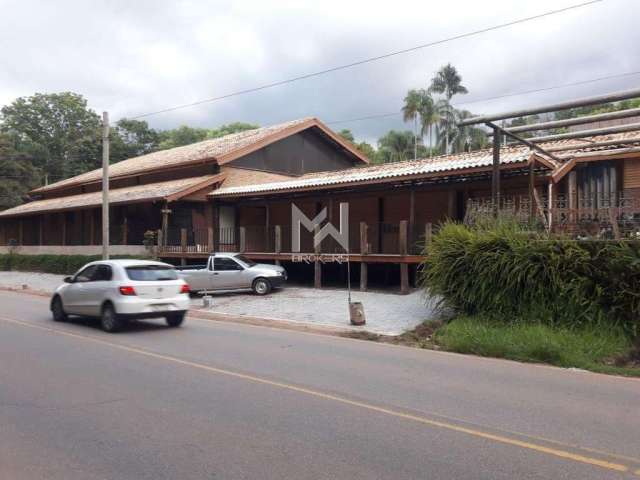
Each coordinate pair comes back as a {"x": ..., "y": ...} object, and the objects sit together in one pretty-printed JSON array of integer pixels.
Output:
[
  {"x": 368, "y": 150},
  {"x": 448, "y": 82},
  {"x": 131, "y": 138},
  {"x": 347, "y": 135},
  {"x": 396, "y": 146},
  {"x": 17, "y": 173},
  {"x": 230, "y": 128},
  {"x": 183, "y": 135},
  {"x": 63, "y": 132}
]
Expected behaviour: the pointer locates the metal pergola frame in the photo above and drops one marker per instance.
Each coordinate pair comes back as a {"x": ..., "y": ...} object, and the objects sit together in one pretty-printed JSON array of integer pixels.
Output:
[{"x": 497, "y": 132}]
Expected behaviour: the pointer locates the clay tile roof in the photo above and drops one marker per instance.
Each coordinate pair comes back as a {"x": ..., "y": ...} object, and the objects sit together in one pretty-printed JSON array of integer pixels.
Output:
[
  {"x": 455, "y": 164},
  {"x": 170, "y": 190},
  {"x": 220, "y": 150}
]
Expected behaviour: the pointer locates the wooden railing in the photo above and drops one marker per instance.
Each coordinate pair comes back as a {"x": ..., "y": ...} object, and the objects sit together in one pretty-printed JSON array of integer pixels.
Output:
[{"x": 402, "y": 238}]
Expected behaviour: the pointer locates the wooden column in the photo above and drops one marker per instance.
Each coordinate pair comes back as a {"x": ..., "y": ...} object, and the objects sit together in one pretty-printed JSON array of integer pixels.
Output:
[
  {"x": 210, "y": 241},
  {"x": 364, "y": 250},
  {"x": 216, "y": 227},
  {"x": 404, "y": 267},
  {"x": 532, "y": 187},
  {"x": 495, "y": 178},
  {"x": 573, "y": 196},
  {"x": 20, "y": 231},
  {"x": 550, "y": 204},
  {"x": 278, "y": 241},
  {"x": 428, "y": 235},
  {"x": 165, "y": 223},
  {"x": 243, "y": 239},
  {"x": 317, "y": 265},
  {"x": 183, "y": 240},
  {"x": 412, "y": 207}
]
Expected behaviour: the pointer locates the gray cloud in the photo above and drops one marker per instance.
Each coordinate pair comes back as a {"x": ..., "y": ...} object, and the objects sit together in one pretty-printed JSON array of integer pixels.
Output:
[{"x": 134, "y": 57}]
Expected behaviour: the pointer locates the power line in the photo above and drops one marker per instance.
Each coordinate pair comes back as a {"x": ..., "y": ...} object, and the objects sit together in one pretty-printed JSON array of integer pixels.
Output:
[
  {"x": 368, "y": 60},
  {"x": 486, "y": 99}
]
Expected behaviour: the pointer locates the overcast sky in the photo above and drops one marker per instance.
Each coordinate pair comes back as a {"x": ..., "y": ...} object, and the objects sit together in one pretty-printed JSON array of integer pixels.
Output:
[{"x": 131, "y": 57}]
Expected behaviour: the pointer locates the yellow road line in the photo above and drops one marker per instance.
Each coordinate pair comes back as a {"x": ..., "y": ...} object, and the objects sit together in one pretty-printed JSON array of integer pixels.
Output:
[{"x": 343, "y": 400}]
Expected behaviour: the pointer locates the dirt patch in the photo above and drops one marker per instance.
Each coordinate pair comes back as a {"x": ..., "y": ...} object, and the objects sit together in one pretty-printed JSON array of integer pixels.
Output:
[{"x": 421, "y": 337}]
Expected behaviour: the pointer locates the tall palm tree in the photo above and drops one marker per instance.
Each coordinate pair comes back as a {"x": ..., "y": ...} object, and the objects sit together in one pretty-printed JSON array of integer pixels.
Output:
[
  {"x": 448, "y": 82},
  {"x": 429, "y": 116},
  {"x": 410, "y": 111},
  {"x": 394, "y": 146}
]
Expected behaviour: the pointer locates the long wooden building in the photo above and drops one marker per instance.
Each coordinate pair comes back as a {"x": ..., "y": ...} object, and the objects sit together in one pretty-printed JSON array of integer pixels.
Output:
[{"x": 236, "y": 193}]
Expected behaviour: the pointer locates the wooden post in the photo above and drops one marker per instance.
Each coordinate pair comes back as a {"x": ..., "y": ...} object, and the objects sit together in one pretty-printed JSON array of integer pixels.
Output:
[
  {"x": 105, "y": 186},
  {"x": 364, "y": 250},
  {"x": 428, "y": 235},
  {"x": 165, "y": 223},
  {"x": 550, "y": 202},
  {"x": 364, "y": 276},
  {"x": 41, "y": 230},
  {"x": 20, "y": 231},
  {"x": 243, "y": 239},
  {"x": 495, "y": 178},
  {"x": 209, "y": 239},
  {"x": 532, "y": 187},
  {"x": 412, "y": 206},
  {"x": 364, "y": 238},
  {"x": 278, "y": 241},
  {"x": 183, "y": 240},
  {"x": 317, "y": 265},
  {"x": 573, "y": 197},
  {"x": 404, "y": 267}
]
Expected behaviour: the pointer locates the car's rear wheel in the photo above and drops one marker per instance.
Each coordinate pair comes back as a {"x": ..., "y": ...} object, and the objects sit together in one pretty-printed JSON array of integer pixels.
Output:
[
  {"x": 57, "y": 310},
  {"x": 175, "y": 320},
  {"x": 261, "y": 286},
  {"x": 110, "y": 320}
]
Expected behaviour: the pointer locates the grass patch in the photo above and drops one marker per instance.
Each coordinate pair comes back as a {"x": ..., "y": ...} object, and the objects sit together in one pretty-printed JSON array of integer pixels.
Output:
[{"x": 600, "y": 350}]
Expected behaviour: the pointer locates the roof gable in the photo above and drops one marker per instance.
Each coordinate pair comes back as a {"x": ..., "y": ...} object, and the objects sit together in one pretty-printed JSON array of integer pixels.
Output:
[{"x": 217, "y": 150}]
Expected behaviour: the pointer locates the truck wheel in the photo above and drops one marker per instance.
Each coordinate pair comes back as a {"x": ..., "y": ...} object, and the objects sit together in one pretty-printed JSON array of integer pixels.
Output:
[
  {"x": 57, "y": 310},
  {"x": 261, "y": 286},
  {"x": 110, "y": 320},
  {"x": 175, "y": 320}
]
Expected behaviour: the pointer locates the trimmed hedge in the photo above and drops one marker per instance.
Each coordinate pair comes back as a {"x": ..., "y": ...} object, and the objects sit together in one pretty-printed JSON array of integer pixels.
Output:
[
  {"x": 58, "y": 264},
  {"x": 509, "y": 274}
]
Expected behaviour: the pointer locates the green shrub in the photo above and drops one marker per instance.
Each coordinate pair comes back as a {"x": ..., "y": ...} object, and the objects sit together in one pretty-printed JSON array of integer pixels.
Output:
[
  {"x": 508, "y": 273},
  {"x": 587, "y": 347},
  {"x": 57, "y": 264}
]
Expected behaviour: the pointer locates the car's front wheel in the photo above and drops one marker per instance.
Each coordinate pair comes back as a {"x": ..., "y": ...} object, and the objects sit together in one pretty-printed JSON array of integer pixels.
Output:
[
  {"x": 110, "y": 320},
  {"x": 57, "y": 310},
  {"x": 175, "y": 320},
  {"x": 261, "y": 286}
]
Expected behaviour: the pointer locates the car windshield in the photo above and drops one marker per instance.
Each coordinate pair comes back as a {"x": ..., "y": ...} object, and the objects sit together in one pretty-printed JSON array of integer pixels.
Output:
[
  {"x": 151, "y": 273},
  {"x": 248, "y": 262}
]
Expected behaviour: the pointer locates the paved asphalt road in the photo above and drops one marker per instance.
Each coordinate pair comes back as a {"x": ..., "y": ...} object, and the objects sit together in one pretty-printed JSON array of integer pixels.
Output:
[{"x": 217, "y": 400}]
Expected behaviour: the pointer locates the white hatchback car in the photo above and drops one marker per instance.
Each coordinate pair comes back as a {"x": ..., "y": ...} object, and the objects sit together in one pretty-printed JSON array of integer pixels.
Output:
[{"x": 118, "y": 290}]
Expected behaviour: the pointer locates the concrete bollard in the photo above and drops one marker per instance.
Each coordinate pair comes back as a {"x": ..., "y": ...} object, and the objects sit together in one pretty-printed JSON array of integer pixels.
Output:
[{"x": 356, "y": 313}]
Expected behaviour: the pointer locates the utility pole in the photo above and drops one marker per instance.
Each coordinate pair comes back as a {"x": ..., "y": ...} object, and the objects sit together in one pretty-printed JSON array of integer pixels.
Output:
[{"x": 105, "y": 185}]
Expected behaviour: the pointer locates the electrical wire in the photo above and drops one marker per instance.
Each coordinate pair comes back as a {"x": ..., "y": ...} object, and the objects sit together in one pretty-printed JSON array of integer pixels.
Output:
[{"x": 367, "y": 60}]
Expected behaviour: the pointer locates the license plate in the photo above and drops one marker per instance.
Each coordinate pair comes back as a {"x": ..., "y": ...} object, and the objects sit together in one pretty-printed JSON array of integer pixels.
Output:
[{"x": 159, "y": 308}]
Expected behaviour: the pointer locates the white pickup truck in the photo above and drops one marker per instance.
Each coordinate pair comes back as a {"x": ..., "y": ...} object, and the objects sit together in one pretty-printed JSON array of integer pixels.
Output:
[{"x": 232, "y": 271}]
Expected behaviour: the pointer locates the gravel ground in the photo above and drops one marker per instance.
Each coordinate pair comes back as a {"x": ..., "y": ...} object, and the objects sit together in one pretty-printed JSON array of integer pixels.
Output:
[{"x": 386, "y": 313}]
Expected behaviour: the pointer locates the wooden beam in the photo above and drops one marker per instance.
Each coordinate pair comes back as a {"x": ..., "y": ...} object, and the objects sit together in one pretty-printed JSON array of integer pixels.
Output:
[
  {"x": 125, "y": 231},
  {"x": 243, "y": 239},
  {"x": 183, "y": 239},
  {"x": 64, "y": 228},
  {"x": 572, "y": 192},
  {"x": 364, "y": 240}
]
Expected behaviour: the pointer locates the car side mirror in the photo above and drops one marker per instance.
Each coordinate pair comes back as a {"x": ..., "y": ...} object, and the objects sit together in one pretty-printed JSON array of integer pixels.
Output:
[{"x": 68, "y": 279}]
